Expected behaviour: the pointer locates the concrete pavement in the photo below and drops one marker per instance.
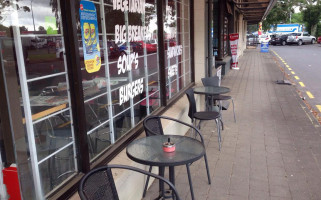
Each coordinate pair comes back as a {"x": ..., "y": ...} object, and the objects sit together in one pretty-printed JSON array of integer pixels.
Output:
[{"x": 272, "y": 152}]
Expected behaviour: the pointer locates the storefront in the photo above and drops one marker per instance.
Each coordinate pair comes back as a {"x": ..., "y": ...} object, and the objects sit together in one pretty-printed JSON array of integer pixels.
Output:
[{"x": 64, "y": 110}]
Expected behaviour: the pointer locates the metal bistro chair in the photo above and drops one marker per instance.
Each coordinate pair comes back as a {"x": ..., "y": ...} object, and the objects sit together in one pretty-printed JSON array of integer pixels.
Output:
[
  {"x": 214, "y": 81},
  {"x": 153, "y": 126},
  {"x": 202, "y": 115},
  {"x": 99, "y": 183}
]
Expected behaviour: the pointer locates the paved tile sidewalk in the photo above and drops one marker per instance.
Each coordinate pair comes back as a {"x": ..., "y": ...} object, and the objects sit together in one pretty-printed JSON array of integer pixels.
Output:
[{"x": 273, "y": 151}]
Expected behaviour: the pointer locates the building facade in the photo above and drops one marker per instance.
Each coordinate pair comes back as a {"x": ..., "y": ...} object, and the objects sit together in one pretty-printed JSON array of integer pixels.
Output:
[{"x": 78, "y": 77}]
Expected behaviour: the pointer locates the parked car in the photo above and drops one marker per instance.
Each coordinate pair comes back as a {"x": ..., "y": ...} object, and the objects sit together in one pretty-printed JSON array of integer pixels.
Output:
[
  {"x": 113, "y": 49},
  {"x": 38, "y": 43},
  {"x": 264, "y": 38},
  {"x": 151, "y": 46},
  {"x": 252, "y": 39},
  {"x": 60, "y": 51},
  {"x": 279, "y": 39},
  {"x": 319, "y": 40},
  {"x": 134, "y": 47},
  {"x": 301, "y": 38}
]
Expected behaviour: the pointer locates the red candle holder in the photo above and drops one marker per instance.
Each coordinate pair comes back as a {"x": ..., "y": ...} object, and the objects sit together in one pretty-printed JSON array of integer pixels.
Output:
[{"x": 168, "y": 147}]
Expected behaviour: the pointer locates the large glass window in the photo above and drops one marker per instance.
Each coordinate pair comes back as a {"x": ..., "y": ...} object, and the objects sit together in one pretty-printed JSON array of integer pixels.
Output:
[
  {"x": 31, "y": 42},
  {"x": 177, "y": 45},
  {"x": 126, "y": 88},
  {"x": 120, "y": 94}
]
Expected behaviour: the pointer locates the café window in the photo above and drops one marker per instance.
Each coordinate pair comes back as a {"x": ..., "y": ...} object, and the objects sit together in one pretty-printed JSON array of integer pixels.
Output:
[
  {"x": 177, "y": 45},
  {"x": 119, "y": 89},
  {"x": 126, "y": 87},
  {"x": 38, "y": 95}
]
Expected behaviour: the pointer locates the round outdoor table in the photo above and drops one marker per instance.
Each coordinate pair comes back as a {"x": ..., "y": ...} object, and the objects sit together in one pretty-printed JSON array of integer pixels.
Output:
[
  {"x": 211, "y": 90},
  {"x": 149, "y": 151}
]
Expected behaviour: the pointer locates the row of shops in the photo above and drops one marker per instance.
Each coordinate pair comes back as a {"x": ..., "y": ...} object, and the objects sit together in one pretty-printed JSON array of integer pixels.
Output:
[{"x": 78, "y": 77}]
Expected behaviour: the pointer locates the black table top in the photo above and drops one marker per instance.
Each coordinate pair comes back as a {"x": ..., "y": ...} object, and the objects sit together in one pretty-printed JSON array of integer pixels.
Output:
[
  {"x": 149, "y": 150},
  {"x": 211, "y": 90}
]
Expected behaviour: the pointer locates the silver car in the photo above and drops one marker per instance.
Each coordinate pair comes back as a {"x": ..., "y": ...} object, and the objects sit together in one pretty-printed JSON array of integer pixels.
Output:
[{"x": 300, "y": 38}]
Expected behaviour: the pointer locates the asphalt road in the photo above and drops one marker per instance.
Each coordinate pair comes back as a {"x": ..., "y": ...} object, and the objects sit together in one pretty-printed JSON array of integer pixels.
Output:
[{"x": 303, "y": 64}]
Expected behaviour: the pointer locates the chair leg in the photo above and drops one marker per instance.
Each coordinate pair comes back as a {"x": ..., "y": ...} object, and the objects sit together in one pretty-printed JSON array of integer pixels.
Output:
[
  {"x": 218, "y": 133},
  {"x": 199, "y": 125},
  {"x": 234, "y": 111},
  {"x": 147, "y": 180},
  {"x": 221, "y": 120},
  {"x": 190, "y": 181},
  {"x": 207, "y": 169}
]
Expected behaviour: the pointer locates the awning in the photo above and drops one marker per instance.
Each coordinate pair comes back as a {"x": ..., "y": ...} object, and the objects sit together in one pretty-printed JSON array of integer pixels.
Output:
[{"x": 254, "y": 11}]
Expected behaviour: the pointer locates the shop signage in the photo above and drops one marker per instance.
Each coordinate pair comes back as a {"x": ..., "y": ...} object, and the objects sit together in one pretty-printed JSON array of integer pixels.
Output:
[
  {"x": 89, "y": 33},
  {"x": 264, "y": 47},
  {"x": 234, "y": 38},
  {"x": 130, "y": 33},
  {"x": 50, "y": 25}
]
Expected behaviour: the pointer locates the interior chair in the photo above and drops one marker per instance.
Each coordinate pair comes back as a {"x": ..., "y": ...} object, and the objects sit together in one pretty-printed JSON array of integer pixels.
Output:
[
  {"x": 99, "y": 184},
  {"x": 153, "y": 126},
  {"x": 215, "y": 81},
  {"x": 202, "y": 115}
]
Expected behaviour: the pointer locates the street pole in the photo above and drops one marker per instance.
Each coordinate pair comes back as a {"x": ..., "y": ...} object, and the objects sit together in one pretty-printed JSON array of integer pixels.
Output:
[{"x": 33, "y": 19}]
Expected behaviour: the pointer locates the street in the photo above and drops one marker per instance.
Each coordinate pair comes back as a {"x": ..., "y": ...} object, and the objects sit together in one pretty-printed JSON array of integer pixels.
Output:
[{"x": 303, "y": 65}]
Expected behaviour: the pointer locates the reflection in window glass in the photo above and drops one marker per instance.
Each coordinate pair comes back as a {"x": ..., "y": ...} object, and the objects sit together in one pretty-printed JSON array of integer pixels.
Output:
[
  {"x": 117, "y": 96},
  {"x": 177, "y": 44},
  {"x": 33, "y": 53}
]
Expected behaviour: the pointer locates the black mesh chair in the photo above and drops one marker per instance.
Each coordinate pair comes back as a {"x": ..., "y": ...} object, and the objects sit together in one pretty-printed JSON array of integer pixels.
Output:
[
  {"x": 153, "y": 126},
  {"x": 214, "y": 81},
  {"x": 202, "y": 115},
  {"x": 99, "y": 183}
]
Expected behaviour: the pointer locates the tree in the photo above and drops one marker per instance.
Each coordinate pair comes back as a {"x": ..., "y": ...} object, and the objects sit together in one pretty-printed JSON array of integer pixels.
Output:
[
  {"x": 311, "y": 15},
  {"x": 41, "y": 28},
  {"x": 297, "y": 18},
  {"x": 280, "y": 13}
]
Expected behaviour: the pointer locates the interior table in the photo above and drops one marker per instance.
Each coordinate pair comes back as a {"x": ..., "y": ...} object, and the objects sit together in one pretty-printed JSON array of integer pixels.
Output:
[{"x": 149, "y": 151}]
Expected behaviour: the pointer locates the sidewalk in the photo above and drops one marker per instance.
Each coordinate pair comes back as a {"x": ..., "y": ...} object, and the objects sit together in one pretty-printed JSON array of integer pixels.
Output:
[{"x": 273, "y": 151}]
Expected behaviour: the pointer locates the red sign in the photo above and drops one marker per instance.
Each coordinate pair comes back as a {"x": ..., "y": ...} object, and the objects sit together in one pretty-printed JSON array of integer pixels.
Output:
[
  {"x": 81, "y": 7},
  {"x": 234, "y": 38},
  {"x": 3, "y": 33}
]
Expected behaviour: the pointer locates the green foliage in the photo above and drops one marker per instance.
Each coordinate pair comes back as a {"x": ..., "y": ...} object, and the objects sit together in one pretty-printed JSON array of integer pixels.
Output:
[
  {"x": 280, "y": 13},
  {"x": 318, "y": 32},
  {"x": 311, "y": 15},
  {"x": 297, "y": 18},
  {"x": 252, "y": 28}
]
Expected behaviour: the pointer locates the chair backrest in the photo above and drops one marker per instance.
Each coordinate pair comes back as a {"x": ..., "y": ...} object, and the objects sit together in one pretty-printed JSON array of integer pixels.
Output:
[
  {"x": 153, "y": 126},
  {"x": 211, "y": 81},
  {"x": 192, "y": 103},
  {"x": 98, "y": 185}
]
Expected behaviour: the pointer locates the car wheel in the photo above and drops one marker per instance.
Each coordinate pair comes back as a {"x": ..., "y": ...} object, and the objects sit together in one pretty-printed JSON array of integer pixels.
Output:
[
  {"x": 312, "y": 41},
  {"x": 283, "y": 43},
  {"x": 300, "y": 42}
]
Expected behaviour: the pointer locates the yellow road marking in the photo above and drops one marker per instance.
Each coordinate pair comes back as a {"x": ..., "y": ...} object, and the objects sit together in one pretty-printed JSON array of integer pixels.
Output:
[
  {"x": 310, "y": 95},
  {"x": 293, "y": 72},
  {"x": 287, "y": 66},
  {"x": 302, "y": 84},
  {"x": 296, "y": 77},
  {"x": 319, "y": 107},
  {"x": 290, "y": 68}
]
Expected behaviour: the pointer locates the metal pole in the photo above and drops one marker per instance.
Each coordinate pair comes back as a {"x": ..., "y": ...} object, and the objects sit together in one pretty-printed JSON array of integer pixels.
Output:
[
  {"x": 210, "y": 39},
  {"x": 33, "y": 19}
]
